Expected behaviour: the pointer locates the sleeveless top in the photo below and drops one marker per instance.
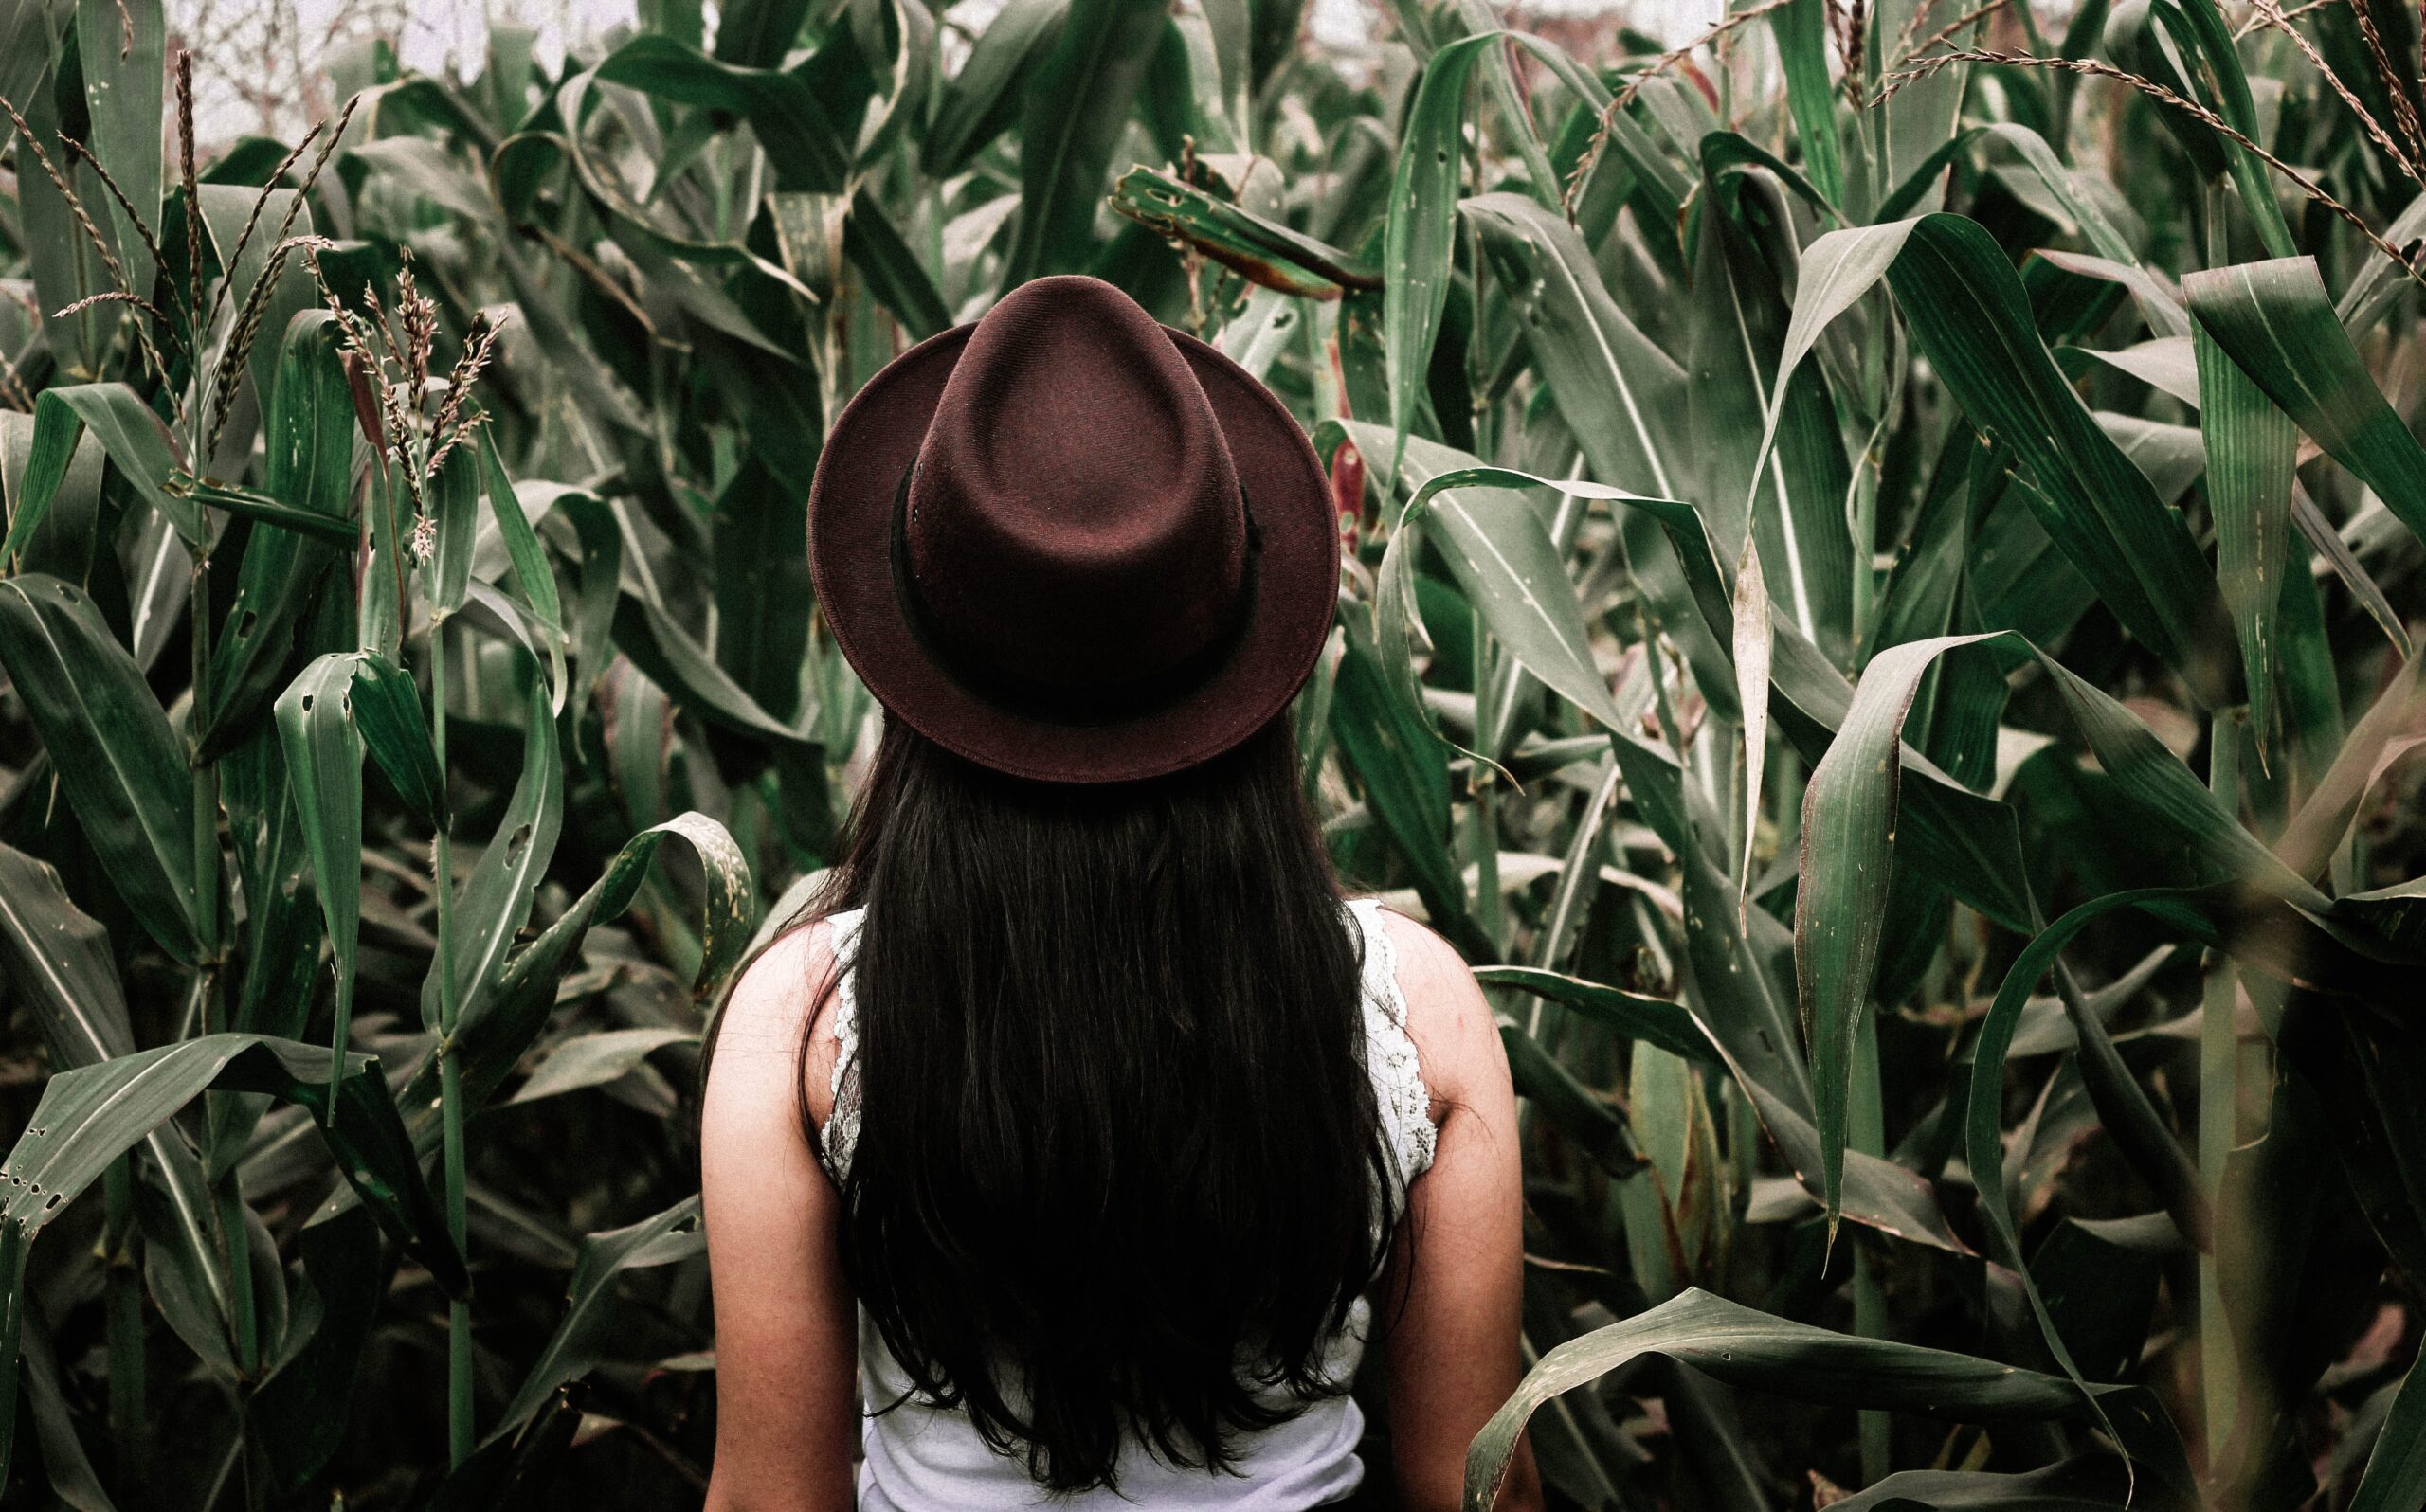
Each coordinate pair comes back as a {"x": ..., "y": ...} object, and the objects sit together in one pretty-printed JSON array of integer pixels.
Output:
[{"x": 922, "y": 1458}]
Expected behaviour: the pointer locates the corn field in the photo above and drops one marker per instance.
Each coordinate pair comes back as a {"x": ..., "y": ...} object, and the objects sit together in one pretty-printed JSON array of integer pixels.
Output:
[{"x": 1886, "y": 546}]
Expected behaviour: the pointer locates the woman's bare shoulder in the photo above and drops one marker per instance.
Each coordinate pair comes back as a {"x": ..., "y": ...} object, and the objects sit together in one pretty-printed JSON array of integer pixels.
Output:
[
  {"x": 760, "y": 1026},
  {"x": 1457, "y": 1040}
]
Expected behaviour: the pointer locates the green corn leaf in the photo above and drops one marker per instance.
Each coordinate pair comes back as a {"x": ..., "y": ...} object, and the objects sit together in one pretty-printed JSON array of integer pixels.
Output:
[
  {"x": 595, "y": 1060},
  {"x": 2377, "y": 282},
  {"x": 2186, "y": 911},
  {"x": 2250, "y": 449},
  {"x": 1077, "y": 102},
  {"x": 64, "y": 264},
  {"x": 50, "y": 480},
  {"x": 1389, "y": 746},
  {"x": 755, "y": 33},
  {"x": 1512, "y": 574},
  {"x": 982, "y": 98},
  {"x": 1653, "y": 1020},
  {"x": 1743, "y": 1348},
  {"x": 119, "y": 763},
  {"x": 1850, "y": 819},
  {"x": 2200, "y": 33},
  {"x": 137, "y": 443},
  {"x": 308, "y": 452},
  {"x": 2276, "y": 323},
  {"x": 57, "y": 957},
  {"x": 1262, "y": 251},
  {"x": 454, "y": 500},
  {"x": 1969, "y": 315},
  {"x": 323, "y": 747},
  {"x": 804, "y": 150},
  {"x": 243, "y": 264},
  {"x": 89, "y": 1116},
  {"x": 661, "y": 244},
  {"x": 584, "y": 1333},
  {"x": 496, "y": 899},
  {"x": 2319, "y": 532},
  {"x": 58, "y": 431},
  {"x": 1620, "y": 394},
  {"x": 894, "y": 276},
  {"x": 1793, "y": 499},
  {"x": 124, "y": 57},
  {"x": 301, "y": 1407},
  {"x": 1802, "y": 31},
  {"x": 282, "y": 922},
  {"x": 532, "y": 574},
  {"x": 676, "y": 663},
  {"x": 1579, "y": 1113},
  {"x": 1418, "y": 242},
  {"x": 494, "y": 1038},
  {"x": 387, "y": 709}
]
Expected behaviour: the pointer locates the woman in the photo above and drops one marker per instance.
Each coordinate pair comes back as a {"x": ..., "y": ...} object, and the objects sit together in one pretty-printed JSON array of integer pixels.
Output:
[{"x": 1073, "y": 1153}]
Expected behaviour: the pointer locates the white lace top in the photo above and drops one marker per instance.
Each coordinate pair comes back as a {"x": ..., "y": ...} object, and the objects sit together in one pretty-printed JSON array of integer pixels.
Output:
[{"x": 920, "y": 1458}]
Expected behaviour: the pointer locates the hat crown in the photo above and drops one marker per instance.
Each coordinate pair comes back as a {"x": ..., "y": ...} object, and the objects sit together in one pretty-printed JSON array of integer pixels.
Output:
[{"x": 1073, "y": 521}]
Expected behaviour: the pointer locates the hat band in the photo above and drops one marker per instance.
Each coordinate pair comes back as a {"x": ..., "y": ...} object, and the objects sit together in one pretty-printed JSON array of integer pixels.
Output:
[{"x": 1065, "y": 702}]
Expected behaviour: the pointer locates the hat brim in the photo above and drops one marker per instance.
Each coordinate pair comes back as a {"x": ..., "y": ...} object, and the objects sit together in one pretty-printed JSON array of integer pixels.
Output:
[{"x": 1296, "y": 584}]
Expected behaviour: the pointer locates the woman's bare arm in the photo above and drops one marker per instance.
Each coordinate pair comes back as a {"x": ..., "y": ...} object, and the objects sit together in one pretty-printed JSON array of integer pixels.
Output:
[
  {"x": 1453, "y": 1353},
  {"x": 788, "y": 1403}
]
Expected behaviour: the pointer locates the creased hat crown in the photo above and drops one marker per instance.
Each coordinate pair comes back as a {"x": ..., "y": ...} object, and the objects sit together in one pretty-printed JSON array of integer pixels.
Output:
[{"x": 1073, "y": 522}]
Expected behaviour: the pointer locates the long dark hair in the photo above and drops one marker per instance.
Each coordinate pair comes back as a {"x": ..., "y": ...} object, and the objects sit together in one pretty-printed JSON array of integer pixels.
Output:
[{"x": 1119, "y": 1170}]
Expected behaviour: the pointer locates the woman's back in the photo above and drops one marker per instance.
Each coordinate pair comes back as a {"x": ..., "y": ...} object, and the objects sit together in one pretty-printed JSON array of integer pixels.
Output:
[
  {"x": 918, "y": 1455},
  {"x": 804, "y": 1392}
]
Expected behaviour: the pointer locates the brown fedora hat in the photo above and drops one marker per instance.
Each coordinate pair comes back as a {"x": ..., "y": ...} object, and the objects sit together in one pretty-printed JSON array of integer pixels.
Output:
[{"x": 1071, "y": 544}]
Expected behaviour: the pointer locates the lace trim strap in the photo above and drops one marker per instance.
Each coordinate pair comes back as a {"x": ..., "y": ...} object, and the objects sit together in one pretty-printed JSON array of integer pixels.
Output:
[
  {"x": 1389, "y": 1049},
  {"x": 842, "y": 1131}
]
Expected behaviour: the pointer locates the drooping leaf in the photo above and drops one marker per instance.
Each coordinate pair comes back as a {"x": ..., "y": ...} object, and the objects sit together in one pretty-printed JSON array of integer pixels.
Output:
[
  {"x": 1969, "y": 317},
  {"x": 595, "y": 1060},
  {"x": 89, "y": 1116},
  {"x": 494, "y": 901},
  {"x": 584, "y": 1333},
  {"x": 1264, "y": 252},
  {"x": 803, "y": 147},
  {"x": 387, "y": 709},
  {"x": 117, "y": 759},
  {"x": 323, "y": 747},
  {"x": 2276, "y": 323},
  {"x": 677, "y": 663},
  {"x": 1748, "y": 1349},
  {"x": 1849, "y": 818},
  {"x": 132, "y": 435},
  {"x": 899, "y": 281},
  {"x": 1654, "y": 1020},
  {"x": 498, "y": 1027},
  {"x": 1622, "y": 395}
]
